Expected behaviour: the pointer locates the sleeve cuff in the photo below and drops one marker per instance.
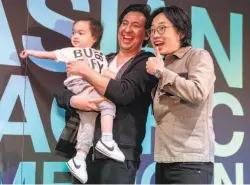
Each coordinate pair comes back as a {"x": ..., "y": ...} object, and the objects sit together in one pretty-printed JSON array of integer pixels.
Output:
[{"x": 168, "y": 78}]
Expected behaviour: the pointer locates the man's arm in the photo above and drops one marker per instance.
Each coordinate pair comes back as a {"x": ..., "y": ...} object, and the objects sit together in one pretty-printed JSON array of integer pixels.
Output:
[
  {"x": 131, "y": 86},
  {"x": 94, "y": 78},
  {"x": 70, "y": 102},
  {"x": 127, "y": 89},
  {"x": 200, "y": 80},
  {"x": 39, "y": 54},
  {"x": 122, "y": 91},
  {"x": 97, "y": 80}
]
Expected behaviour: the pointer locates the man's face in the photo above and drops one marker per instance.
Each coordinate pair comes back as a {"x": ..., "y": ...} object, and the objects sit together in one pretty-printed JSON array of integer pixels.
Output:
[
  {"x": 170, "y": 40},
  {"x": 131, "y": 32}
]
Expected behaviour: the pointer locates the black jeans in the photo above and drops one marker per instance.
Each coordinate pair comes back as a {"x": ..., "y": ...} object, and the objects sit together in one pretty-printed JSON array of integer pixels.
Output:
[
  {"x": 108, "y": 171},
  {"x": 184, "y": 173}
]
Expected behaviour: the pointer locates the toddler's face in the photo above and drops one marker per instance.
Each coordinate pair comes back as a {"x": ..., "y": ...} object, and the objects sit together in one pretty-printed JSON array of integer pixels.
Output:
[{"x": 82, "y": 36}]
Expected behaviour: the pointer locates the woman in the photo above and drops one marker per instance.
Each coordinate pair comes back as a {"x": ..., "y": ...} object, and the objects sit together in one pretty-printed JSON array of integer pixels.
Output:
[{"x": 184, "y": 136}]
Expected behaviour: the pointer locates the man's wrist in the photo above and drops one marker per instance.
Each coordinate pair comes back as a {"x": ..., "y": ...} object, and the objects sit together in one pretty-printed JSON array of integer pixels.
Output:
[
  {"x": 82, "y": 74},
  {"x": 158, "y": 73}
]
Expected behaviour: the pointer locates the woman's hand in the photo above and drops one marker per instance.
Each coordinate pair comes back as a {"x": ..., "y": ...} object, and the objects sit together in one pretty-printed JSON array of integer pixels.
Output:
[
  {"x": 84, "y": 102},
  {"x": 78, "y": 68}
]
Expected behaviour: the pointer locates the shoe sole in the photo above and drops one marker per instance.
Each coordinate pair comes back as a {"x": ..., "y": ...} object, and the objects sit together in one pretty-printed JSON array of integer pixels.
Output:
[
  {"x": 107, "y": 154},
  {"x": 72, "y": 172}
]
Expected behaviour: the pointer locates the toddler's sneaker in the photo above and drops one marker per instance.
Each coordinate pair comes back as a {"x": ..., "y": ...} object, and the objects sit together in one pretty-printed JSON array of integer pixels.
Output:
[
  {"x": 78, "y": 169},
  {"x": 110, "y": 149}
]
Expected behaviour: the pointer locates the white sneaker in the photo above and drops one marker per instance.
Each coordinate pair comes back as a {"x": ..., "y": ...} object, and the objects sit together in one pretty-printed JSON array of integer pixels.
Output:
[
  {"x": 78, "y": 169},
  {"x": 110, "y": 151}
]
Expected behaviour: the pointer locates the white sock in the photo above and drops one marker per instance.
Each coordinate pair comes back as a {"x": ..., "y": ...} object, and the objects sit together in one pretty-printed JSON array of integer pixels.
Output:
[
  {"x": 81, "y": 156},
  {"x": 107, "y": 137}
]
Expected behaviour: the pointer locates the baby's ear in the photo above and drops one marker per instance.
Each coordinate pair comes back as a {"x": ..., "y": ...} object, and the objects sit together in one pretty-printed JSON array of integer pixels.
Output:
[{"x": 94, "y": 39}]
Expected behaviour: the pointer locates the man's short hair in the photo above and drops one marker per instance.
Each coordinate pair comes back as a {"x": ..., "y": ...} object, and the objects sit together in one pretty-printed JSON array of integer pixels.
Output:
[
  {"x": 142, "y": 8},
  {"x": 96, "y": 29},
  {"x": 180, "y": 21}
]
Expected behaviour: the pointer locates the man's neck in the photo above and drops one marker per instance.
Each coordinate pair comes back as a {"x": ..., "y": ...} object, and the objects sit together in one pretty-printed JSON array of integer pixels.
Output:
[
  {"x": 124, "y": 56},
  {"x": 125, "y": 53}
]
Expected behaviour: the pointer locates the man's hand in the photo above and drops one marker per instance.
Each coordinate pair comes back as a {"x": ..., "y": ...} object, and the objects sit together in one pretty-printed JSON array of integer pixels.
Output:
[
  {"x": 84, "y": 102},
  {"x": 78, "y": 68},
  {"x": 155, "y": 63}
]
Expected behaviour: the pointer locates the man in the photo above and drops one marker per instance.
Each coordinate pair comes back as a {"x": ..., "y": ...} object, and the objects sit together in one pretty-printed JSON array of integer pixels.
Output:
[
  {"x": 183, "y": 102},
  {"x": 131, "y": 93}
]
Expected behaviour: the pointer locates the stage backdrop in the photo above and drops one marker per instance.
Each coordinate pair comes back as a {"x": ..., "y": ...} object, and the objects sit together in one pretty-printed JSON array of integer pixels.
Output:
[{"x": 31, "y": 122}]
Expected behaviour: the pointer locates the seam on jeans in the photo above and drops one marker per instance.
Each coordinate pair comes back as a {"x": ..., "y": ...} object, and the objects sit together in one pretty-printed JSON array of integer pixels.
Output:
[
  {"x": 186, "y": 168},
  {"x": 132, "y": 172},
  {"x": 124, "y": 166}
]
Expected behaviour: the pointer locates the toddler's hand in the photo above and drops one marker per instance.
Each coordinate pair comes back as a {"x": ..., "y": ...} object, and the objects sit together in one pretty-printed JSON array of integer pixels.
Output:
[{"x": 24, "y": 54}]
